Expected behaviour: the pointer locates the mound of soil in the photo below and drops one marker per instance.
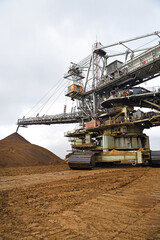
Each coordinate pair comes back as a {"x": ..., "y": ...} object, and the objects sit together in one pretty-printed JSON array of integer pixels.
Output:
[{"x": 17, "y": 151}]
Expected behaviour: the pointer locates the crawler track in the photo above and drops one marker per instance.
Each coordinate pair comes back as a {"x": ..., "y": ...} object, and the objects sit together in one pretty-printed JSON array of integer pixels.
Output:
[{"x": 81, "y": 160}]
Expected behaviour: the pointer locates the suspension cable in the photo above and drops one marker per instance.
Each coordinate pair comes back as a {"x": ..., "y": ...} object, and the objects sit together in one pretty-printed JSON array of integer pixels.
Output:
[
  {"x": 53, "y": 94},
  {"x": 56, "y": 98},
  {"x": 147, "y": 43},
  {"x": 45, "y": 95}
]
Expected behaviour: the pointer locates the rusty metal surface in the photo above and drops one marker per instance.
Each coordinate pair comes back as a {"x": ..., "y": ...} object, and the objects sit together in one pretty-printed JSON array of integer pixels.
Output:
[{"x": 134, "y": 100}]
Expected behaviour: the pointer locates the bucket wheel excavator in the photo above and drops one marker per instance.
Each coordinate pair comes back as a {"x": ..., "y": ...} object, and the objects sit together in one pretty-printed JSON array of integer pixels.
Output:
[{"x": 113, "y": 105}]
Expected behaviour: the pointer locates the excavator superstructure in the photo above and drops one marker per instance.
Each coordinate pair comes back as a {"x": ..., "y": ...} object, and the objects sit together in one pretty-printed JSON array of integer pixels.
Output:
[{"x": 113, "y": 105}]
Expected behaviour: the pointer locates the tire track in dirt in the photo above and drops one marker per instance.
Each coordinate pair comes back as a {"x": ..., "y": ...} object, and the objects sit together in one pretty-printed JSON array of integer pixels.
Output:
[
  {"x": 114, "y": 203},
  {"x": 120, "y": 215}
]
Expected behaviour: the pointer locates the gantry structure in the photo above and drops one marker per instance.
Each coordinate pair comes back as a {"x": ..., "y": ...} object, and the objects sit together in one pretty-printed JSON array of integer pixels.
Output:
[{"x": 111, "y": 95}]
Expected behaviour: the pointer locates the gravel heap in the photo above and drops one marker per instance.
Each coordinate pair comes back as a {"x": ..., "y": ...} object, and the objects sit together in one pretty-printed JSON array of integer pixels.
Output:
[{"x": 17, "y": 151}]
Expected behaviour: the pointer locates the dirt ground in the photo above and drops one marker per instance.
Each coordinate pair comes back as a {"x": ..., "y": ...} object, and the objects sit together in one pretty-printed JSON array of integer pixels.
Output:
[{"x": 57, "y": 203}]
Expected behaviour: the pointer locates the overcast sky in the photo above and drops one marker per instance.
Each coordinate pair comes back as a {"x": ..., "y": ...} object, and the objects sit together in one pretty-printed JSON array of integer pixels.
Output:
[{"x": 39, "y": 39}]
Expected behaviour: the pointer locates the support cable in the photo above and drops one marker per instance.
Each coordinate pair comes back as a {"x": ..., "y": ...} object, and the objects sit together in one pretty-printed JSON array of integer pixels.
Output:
[
  {"x": 56, "y": 98},
  {"x": 147, "y": 43},
  {"x": 54, "y": 92},
  {"x": 44, "y": 96}
]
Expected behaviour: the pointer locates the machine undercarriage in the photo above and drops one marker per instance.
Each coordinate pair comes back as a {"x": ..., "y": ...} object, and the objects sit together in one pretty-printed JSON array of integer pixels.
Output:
[{"x": 119, "y": 140}]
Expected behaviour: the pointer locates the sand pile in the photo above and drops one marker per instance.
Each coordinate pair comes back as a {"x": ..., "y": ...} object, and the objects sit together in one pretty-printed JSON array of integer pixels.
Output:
[{"x": 17, "y": 151}]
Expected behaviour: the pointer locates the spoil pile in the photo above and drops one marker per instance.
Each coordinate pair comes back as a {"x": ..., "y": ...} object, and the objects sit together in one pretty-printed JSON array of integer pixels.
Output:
[{"x": 17, "y": 151}]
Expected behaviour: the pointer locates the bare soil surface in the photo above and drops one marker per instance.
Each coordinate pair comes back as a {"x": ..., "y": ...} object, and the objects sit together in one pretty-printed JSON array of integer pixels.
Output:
[{"x": 58, "y": 203}]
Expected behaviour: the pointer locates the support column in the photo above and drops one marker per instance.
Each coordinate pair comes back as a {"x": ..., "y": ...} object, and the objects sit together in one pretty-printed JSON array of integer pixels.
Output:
[{"x": 105, "y": 141}]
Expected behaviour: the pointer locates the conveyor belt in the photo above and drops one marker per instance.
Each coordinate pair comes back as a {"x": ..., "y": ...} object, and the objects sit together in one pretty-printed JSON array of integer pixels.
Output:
[
  {"x": 81, "y": 160},
  {"x": 155, "y": 157}
]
